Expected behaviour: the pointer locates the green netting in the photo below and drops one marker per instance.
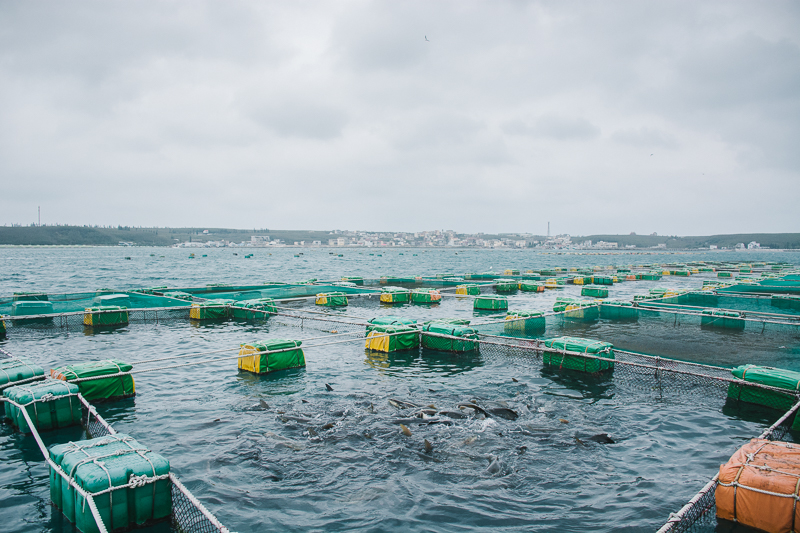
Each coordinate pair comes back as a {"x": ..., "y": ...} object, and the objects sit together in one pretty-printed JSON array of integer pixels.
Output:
[
  {"x": 490, "y": 303},
  {"x": 724, "y": 275},
  {"x": 395, "y": 295},
  {"x": 425, "y": 296},
  {"x": 483, "y": 275},
  {"x": 386, "y": 280},
  {"x": 595, "y": 292},
  {"x": 467, "y": 342},
  {"x": 110, "y": 461},
  {"x": 50, "y": 404},
  {"x": 178, "y": 295},
  {"x": 618, "y": 310},
  {"x": 2, "y": 328},
  {"x": 354, "y": 279},
  {"x": 27, "y": 308},
  {"x": 650, "y": 276},
  {"x": 455, "y": 321},
  {"x": 716, "y": 318},
  {"x": 110, "y": 388},
  {"x": 531, "y": 286},
  {"x": 786, "y": 301},
  {"x": 257, "y": 308},
  {"x": 524, "y": 322},
  {"x": 13, "y": 370},
  {"x": 331, "y": 299},
  {"x": 576, "y": 362},
  {"x": 469, "y": 289},
  {"x": 152, "y": 290},
  {"x": 121, "y": 300},
  {"x": 210, "y": 310},
  {"x": 392, "y": 338},
  {"x": 78, "y": 302},
  {"x": 105, "y": 315},
  {"x": 390, "y": 321},
  {"x": 602, "y": 280},
  {"x": 255, "y": 357},
  {"x": 505, "y": 285},
  {"x": 30, "y": 297}
]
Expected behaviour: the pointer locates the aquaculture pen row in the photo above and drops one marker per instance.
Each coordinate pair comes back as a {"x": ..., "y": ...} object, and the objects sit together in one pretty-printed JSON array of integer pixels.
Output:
[
  {"x": 658, "y": 375},
  {"x": 188, "y": 515}
]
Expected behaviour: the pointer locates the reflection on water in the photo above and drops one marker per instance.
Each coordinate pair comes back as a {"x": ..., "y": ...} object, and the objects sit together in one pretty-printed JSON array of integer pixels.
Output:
[{"x": 423, "y": 361}]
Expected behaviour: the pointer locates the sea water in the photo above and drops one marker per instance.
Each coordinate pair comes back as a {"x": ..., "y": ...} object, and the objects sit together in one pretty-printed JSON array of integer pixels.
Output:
[{"x": 319, "y": 460}]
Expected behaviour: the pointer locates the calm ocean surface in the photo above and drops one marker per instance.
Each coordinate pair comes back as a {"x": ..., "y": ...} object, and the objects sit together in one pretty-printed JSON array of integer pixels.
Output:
[{"x": 344, "y": 465}]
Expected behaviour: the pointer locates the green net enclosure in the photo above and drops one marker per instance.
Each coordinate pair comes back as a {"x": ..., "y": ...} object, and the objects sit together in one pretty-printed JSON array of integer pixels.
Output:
[
  {"x": 16, "y": 370},
  {"x": 50, "y": 404},
  {"x": 331, "y": 299},
  {"x": 490, "y": 303},
  {"x": 104, "y": 467},
  {"x": 270, "y": 355},
  {"x": 257, "y": 308},
  {"x": 524, "y": 322},
  {"x": 105, "y": 315},
  {"x": 392, "y": 338},
  {"x": 603, "y": 350},
  {"x": 466, "y": 341},
  {"x": 772, "y": 377},
  {"x": 115, "y": 386}
]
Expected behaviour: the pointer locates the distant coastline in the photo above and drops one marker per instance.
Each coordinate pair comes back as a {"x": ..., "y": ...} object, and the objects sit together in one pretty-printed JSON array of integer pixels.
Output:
[{"x": 72, "y": 236}]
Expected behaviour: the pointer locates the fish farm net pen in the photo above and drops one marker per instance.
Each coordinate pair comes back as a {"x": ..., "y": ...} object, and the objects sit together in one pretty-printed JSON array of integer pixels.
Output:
[
  {"x": 699, "y": 513},
  {"x": 188, "y": 514}
]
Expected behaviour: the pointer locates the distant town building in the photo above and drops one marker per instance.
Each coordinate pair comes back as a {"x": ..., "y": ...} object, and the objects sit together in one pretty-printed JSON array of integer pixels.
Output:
[{"x": 753, "y": 245}]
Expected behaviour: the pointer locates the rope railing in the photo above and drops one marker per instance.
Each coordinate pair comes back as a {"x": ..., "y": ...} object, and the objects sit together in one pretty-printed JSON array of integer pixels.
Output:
[
  {"x": 701, "y": 504},
  {"x": 188, "y": 514}
]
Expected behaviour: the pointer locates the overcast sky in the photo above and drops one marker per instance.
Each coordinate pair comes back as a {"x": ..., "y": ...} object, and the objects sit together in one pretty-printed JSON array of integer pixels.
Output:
[{"x": 600, "y": 117}]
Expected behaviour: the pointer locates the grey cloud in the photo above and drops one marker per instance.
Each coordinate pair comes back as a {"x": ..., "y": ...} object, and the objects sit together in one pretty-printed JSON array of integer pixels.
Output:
[
  {"x": 554, "y": 127},
  {"x": 302, "y": 119},
  {"x": 120, "y": 99},
  {"x": 645, "y": 137},
  {"x": 383, "y": 36}
]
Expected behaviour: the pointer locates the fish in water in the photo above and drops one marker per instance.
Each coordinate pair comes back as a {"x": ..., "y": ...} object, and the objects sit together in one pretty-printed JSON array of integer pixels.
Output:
[
  {"x": 414, "y": 420},
  {"x": 453, "y": 414},
  {"x": 428, "y": 446},
  {"x": 312, "y": 432},
  {"x": 579, "y": 441},
  {"x": 404, "y": 430},
  {"x": 522, "y": 449},
  {"x": 495, "y": 467},
  {"x": 400, "y": 404},
  {"x": 474, "y": 407},
  {"x": 422, "y": 413},
  {"x": 502, "y": 412},
  {"x": 288, "y": 418},
  {"x": 563, "y": 420},
  {"x": 515, "y": 380},
  {"x": 329, "y": 425},
  {"x": 263, "y": 404},
  {"x": 602, "y": 438},
  {"x": 328, "y": 387},
  {"x": 286, "y": 442},
  {"x": 470, "y": 440}
]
